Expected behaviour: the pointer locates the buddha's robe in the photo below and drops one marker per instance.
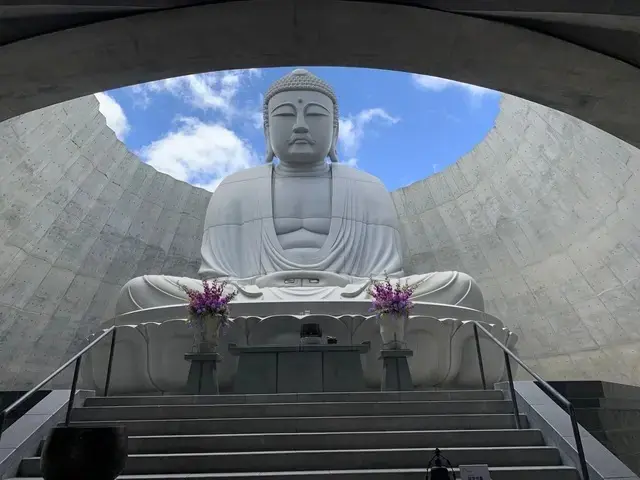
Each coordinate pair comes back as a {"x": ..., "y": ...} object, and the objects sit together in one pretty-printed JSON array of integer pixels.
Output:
[{"x": 240, "y": 245}]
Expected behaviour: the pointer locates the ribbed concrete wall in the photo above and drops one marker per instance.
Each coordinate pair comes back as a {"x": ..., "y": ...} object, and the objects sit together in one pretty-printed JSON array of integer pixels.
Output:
[
  {"x": 79, "y": 216},
  {"x": 545, "y": 214}
]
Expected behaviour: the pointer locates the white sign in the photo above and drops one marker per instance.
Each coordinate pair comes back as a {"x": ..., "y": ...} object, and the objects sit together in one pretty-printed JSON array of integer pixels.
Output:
[{"x": 474, "y": 472}]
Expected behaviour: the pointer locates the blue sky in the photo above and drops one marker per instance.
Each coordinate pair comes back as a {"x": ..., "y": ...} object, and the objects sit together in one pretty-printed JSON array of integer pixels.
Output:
[{"x": 400, "y": 127}]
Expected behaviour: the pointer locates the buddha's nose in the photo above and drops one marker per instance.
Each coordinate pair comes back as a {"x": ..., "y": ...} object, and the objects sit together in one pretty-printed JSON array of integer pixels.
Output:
[{"x": 300, "y": 128}]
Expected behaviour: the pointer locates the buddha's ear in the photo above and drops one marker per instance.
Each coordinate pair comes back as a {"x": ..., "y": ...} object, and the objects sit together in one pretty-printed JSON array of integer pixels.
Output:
[
  {"x": 270, "y": 154},
  {"x": 333, "y": 155}
]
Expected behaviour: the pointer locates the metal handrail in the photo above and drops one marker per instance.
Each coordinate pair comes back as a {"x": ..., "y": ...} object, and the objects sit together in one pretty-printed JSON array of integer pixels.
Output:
[
  {"x": 548, "y": 389},
  {"x": 76, "y": 373}
]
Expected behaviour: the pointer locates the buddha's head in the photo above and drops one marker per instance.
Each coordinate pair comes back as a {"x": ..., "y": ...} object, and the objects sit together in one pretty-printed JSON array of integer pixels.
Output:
[{"x": 300, "y": 115}]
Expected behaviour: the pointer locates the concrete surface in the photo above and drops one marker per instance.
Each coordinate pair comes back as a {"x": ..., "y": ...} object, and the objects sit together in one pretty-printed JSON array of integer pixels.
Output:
[
  {"x": 543, "y": 213},
  {"x": 580, "y": 57},
  {"x": 555, "y": 424},
  {"x": 79, "y": 216},
  {"x": 611, "y": 413}
]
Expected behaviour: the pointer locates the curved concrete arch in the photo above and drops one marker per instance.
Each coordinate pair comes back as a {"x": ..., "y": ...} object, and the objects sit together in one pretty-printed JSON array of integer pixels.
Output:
[{"x": 51, "y": 68}]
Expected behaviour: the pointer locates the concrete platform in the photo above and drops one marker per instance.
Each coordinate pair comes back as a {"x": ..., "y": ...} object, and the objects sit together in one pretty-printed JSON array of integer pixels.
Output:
[
  {"x": 333, "y": 440},
  {"x": 316, "y": 424},
  {"x": 435, "y": 395},
  {"x": 318, "y": 459},
  {"x": 267, "y": 410}
]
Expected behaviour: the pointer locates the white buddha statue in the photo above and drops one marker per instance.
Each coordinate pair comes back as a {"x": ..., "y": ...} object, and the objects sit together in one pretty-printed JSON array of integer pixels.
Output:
[{"x": 303, "y": 228}]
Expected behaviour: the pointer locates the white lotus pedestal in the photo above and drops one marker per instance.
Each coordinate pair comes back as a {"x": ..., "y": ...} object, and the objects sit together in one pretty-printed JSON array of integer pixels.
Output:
[{"x": 151, "y": 344}]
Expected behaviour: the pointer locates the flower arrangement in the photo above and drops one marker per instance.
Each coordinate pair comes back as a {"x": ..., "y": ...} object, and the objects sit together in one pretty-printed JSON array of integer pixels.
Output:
[
  {"x": 210, "y": 305},
  {"x": 390, "y": 298}
]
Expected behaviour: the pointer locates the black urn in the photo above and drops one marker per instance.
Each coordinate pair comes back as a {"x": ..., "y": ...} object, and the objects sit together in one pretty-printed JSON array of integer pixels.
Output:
[
  {"x": 75, "y": 453},
  {"x": 310, "y": 330}
]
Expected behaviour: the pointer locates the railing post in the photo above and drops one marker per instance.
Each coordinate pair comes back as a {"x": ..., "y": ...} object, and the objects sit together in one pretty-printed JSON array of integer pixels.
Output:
[
  {"x": 110, "y": 364},
  {"x": 2, "y": 417},
  {"x": 479, "y": 351},
  {"x": 512, "y": 389},
  {"x": 579, "y": 447},
  {"x": 72, "y": 395}
]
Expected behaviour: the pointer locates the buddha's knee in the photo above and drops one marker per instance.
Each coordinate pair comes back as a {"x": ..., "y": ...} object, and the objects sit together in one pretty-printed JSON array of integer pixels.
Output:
[
  {"x": 130, "y": 296},
  {"x": 472, "y": 295},
  {"x": 154, "y": 291}
]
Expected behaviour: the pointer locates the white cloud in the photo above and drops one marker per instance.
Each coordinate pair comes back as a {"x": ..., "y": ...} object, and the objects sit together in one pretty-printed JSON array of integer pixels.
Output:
[
  {"x": 200, "y": 153},
  {"x": 438, "y": 84},
  {"x": 352, "y": 130},
  {"x": 257, "y": 116},
  {"x": 214, "y": 91},
  {"x": 352, "y": 162},
  {"x": 258, "y": 120},
  {"x": 114, "y": 115}
]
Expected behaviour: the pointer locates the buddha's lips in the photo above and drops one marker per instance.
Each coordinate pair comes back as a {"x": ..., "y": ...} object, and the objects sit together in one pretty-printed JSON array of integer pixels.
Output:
[{"x": 307, "y": 139}]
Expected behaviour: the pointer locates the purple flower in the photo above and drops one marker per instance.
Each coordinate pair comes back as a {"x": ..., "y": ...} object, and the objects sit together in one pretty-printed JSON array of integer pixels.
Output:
[
  {"x": 212, "y": 300},
  {"x": 390, "y": 298}
]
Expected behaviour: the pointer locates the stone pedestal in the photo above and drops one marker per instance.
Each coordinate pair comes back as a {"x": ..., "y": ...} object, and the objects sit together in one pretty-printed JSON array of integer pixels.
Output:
[
  {"x": 395, "y": 370},
  {"x": 299, "y": 369},
  {"x": 203, "y": 375},
  {"x": 150, "y": 346}
]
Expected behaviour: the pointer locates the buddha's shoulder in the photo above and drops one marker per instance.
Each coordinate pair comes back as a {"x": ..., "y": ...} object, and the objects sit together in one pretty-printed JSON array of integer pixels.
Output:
[
  {"x": 351, "y": 173},
  {"x": 253, "y": 173}
]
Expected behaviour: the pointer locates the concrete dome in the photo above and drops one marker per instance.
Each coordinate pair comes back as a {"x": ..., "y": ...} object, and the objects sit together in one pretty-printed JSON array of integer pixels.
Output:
[{"x": 540, "y": 212}]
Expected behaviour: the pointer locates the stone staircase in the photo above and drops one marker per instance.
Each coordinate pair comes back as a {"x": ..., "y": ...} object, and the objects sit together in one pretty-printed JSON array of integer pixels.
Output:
[{"x": 371, "y": 435}]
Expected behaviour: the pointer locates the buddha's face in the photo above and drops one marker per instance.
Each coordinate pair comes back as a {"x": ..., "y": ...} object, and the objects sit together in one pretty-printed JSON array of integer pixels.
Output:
[{"x": 300, "y": 126}]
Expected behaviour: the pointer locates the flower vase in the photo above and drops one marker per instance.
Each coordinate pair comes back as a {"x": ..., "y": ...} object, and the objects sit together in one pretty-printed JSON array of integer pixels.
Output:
[
  {"x": 208, "y": 333},
  {"x": 392, "y": 330}
]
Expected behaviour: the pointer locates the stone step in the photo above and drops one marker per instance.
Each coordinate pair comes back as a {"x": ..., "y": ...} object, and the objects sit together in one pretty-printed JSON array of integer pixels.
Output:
[
  {"x": 327, "y": 441},
  {"x": 497, "y": 473},
  {"x": 301, "y": 460},
  {"x": 315, "y": 424},
  {"x": 149, "y": 412},
  {"x": 436, "y": 395}
]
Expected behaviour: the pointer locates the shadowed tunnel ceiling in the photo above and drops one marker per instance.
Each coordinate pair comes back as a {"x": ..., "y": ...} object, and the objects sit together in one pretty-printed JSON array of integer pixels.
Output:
[{"x": 577, "y": 58}]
